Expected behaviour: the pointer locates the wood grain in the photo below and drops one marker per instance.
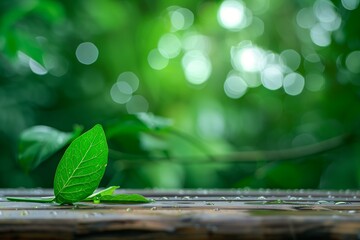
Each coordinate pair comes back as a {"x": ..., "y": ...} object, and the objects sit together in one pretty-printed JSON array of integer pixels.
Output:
[{"x": 188, "y": 214}]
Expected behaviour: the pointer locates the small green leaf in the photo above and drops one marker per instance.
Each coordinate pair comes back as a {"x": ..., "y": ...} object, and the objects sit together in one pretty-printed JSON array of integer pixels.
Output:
[
  {"x": 38, "y": 143},
  {"x": 122, "y": 198},
  {"x": 82, "y": 167},
  {"x": 106, "y": 191},
  {"x": 32, "y": 199},
  {"x": 107, "y": 195}
]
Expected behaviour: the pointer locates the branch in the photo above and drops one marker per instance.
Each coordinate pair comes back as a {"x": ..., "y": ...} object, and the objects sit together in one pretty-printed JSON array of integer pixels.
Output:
[{"x": 245, "y": 156}]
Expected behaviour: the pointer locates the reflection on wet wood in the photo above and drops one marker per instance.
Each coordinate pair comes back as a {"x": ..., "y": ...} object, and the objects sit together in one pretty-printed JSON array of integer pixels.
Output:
[{"x": 188, "y": 214}]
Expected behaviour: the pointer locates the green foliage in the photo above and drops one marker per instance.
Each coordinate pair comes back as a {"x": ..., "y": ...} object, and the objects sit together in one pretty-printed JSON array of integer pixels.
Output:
[
  {"x": 38, "y": 143},
  {"x": 82, "y": 167},
  {"x": 297, "y": 86}
]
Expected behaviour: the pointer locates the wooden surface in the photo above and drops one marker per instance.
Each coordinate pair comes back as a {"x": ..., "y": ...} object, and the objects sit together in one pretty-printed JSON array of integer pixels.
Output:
[{"x": 188, "y": 214}]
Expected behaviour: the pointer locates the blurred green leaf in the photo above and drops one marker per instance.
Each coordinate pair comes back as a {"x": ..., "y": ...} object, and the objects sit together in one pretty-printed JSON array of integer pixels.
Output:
[
  {"x": 154, "y": 122},
  {"x": 51, "y": 11},
  {"x": 18, "y": 38},
  {"x": 38, "y": 143},
  {"x": 142, "y": 122}
]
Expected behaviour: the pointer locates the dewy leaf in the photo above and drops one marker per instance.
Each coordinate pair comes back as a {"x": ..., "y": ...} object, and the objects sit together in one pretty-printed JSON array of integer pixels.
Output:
[
  {"x": 106, "y": 191},
  {"x": 122, "y": 198},
  {"x": 81, "y": 168},
  {"x": 38, "y": 143}
]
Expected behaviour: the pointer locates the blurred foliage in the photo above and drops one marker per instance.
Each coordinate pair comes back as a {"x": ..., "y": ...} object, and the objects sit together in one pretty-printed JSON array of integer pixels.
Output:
[{"x": 232, "y": 76}]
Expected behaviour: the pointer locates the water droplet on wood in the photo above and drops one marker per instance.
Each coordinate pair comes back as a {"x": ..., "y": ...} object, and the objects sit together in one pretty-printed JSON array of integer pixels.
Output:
[
  {"x": 24, "y": 213},
  {"x": 95, "y": 214},
  {"x": 53, "y": 213}
]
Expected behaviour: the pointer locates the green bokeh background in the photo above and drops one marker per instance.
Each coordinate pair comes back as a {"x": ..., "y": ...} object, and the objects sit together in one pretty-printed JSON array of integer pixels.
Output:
[{"x": 42, "y": 82}]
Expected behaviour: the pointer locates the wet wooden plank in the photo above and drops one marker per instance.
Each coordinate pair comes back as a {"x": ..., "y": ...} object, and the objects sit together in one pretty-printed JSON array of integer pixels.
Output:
[{"x": 188, "y": 214}]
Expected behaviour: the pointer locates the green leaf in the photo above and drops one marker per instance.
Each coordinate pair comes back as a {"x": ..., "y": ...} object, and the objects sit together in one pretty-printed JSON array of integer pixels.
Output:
[
  {"x": 106, "y": 191},
  {"x": 122, "y": 198},
  {"x": 38, "y": 143},
  {"x": 134, "y": 124},
  {"x": 82, "y": 167},
  {"x": 32, "y": 199},
  {"x": 154, "y": 122},
  {"x": 107, "y": 195}
]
